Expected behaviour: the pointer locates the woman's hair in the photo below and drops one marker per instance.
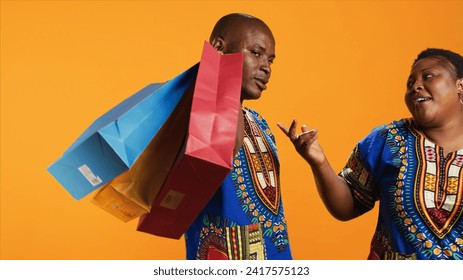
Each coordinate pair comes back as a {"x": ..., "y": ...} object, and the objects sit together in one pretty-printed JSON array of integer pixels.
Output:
[{"x": 455, "y": 60}]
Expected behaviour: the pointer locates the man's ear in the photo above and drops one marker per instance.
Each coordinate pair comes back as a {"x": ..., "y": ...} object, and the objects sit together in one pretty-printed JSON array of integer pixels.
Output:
[{"x": 218, "y": 44}]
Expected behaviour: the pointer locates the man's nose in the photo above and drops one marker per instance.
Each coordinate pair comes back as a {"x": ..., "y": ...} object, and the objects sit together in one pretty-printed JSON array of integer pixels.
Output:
[{"x": 265, "y": 66}]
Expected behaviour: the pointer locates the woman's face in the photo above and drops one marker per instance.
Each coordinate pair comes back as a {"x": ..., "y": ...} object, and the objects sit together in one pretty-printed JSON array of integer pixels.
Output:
[{"x": 432, "y": 95}]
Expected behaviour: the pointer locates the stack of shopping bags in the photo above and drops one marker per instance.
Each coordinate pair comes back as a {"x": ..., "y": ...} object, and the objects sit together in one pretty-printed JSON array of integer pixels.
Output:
[{"x": 161, "y": 154}]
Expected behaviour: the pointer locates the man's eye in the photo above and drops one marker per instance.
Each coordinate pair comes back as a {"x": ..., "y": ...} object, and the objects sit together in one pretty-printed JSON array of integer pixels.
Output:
[
  {"x": 410, "y": 84},
  {"x": 256, "y": 53},
  {"x": 270, "y": 61}
]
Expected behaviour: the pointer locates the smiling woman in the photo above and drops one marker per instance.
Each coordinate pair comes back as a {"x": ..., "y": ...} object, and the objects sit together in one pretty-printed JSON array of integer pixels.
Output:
[
  {"x": 434, "y": 97},
  {"x": 413, "y": 167}
]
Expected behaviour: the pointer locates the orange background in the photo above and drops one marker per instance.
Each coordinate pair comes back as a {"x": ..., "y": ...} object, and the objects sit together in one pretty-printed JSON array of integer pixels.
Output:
[{"x": 341, "y": 67}]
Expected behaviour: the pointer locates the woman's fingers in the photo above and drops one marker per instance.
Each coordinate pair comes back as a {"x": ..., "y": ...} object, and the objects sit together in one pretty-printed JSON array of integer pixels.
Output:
[
  {"x": 283, "y": 128},
  {"x": 307, "y": 137},
  {"x": 307, "y": 133},
  {"x": 304, "y": 128},
  {"x": 291, "y": 131}
]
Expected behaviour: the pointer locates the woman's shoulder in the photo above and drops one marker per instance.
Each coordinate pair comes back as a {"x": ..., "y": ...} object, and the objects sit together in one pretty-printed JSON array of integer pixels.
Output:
[
  {"x": 394, "y": 127},
  {"x": 393, "y": 131},
  {"x": 384, "y": 142}
]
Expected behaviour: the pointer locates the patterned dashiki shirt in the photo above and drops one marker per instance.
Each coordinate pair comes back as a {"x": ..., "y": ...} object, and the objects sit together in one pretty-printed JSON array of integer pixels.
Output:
[
  {"x": 420, "y": 193},
  {"x": 245, "y": 219}
]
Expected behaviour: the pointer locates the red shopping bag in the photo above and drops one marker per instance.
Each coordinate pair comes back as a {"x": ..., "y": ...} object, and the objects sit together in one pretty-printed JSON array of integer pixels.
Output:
[{"x": 207, "y": 155}]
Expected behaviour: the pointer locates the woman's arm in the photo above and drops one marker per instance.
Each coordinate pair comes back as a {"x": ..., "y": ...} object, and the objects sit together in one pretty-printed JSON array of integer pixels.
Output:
[{"x": 333, "y": 190}]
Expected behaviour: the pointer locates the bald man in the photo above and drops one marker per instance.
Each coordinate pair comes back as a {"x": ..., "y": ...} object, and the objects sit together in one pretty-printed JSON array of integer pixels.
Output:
[{"x": 245, "y": 219}]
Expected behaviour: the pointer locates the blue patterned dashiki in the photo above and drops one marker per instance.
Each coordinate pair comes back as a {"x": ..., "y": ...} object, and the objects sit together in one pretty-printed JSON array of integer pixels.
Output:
[
  {"x": 245, "y": 219},
  {"x": 420, "y": 193}
]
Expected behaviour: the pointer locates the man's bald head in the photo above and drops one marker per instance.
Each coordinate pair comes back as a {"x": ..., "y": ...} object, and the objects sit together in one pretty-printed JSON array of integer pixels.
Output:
[{"x": 231, "y": 26}]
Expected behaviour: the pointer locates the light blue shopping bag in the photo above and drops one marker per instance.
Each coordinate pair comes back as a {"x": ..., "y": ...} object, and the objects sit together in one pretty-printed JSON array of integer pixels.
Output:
[{"x": 114, "y": 141}]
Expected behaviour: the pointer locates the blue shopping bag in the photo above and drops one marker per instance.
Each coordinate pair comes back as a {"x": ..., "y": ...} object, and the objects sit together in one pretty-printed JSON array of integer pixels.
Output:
[{"x": 114, "y": 141}]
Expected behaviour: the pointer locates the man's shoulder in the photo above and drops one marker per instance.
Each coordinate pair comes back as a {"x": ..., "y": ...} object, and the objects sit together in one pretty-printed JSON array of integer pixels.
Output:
[{"x": 255, "y": 113}]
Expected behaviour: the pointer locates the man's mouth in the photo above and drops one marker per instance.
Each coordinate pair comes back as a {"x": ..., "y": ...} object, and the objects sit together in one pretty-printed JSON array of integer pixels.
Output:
[{"x": 261, "y": 83}]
